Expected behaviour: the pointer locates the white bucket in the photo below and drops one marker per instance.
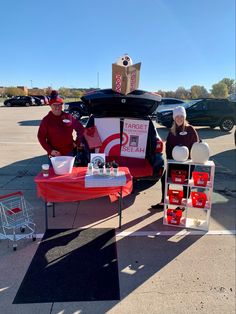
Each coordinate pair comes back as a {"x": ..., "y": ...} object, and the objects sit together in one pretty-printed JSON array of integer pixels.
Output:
[{"x": 62, "y": 164}]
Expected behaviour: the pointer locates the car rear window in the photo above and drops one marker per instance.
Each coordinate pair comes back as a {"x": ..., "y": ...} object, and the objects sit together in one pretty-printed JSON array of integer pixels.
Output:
[{"x": 171, "y": 102}]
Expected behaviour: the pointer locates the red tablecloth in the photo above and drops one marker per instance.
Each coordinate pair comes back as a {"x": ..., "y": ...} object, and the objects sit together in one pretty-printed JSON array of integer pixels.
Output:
[{"x": 71, "y": 187}]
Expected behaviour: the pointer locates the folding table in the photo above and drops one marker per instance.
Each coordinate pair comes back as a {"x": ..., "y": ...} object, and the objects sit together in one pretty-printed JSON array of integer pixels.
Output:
[{"x": 79, "y": 185}]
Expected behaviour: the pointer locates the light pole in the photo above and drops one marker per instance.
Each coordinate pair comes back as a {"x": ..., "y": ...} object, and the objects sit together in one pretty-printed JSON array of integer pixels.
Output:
[{"x": 97, "y": 79}]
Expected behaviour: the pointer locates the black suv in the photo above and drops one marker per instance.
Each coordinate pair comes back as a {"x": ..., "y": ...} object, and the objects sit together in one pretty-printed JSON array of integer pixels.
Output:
[
  {"x": 205, "y": 112},
  {"x": 76, "y": 108},
  {"x": 22, "y": 101},
  {"x": 111, "y": 111}
]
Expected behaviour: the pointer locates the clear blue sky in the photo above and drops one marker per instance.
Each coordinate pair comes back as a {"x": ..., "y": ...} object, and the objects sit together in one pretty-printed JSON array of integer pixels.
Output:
[{"x": 67, "y": 42}]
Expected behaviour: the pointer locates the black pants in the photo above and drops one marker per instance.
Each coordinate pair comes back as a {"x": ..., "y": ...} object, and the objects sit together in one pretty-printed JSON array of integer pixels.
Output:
[{"x": 175, "y": 167}]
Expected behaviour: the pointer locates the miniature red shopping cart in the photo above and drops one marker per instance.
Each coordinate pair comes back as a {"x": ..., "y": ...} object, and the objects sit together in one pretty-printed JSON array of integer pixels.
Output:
[
  {"x": 174, "y": 216},
  {"x": 16, "y": 217},
  {"x": 175, "y": 196},
  {"x": 200, "y": 178},
  {"x": 198, "y": 199}
]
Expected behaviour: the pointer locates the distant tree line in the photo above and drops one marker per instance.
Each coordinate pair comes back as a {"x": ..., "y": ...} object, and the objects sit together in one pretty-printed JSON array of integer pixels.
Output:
[
  {"x": 222, "y": 89},
  {"x": 63, "y": 91}
]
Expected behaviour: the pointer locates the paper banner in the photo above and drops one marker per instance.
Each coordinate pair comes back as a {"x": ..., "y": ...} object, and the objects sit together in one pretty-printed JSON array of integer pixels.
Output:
[{"x": 134, "y": 141}]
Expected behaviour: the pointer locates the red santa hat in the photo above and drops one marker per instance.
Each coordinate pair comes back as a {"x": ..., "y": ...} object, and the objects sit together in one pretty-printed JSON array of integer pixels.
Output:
[{"x": 56, "y": 100}]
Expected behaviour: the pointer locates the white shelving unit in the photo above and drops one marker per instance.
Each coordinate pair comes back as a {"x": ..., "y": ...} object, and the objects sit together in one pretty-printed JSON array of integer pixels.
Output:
[{"x": 192, "y": 217}]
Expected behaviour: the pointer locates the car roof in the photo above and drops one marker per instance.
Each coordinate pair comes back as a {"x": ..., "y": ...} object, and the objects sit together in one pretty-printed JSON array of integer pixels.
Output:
[
  {"x": 39, "y": 96},
  {"x": 74, "y": 102},
  {"x": 166, "y": 98}
]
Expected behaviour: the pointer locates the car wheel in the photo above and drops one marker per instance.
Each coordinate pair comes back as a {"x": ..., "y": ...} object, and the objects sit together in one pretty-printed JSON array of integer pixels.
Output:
[
  {"x": 8, "y": 104},
  {"x": 76, "y": 114},
  {"x": 27, "y": 104},
  {"x": 227, "y": 124}
]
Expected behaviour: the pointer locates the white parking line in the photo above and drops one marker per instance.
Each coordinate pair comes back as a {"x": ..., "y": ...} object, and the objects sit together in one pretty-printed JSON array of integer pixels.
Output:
[
  {"x": 172, "y": 233},
  {"x": 160, "y": 233}
]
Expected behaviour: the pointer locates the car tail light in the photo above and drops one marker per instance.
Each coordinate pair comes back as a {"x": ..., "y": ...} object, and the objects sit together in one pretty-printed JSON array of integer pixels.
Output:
[{"x": 159, "y": 146}]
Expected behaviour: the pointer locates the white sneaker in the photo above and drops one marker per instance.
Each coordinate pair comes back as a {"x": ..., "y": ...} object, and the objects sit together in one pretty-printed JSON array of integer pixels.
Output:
[{"x": 49, "y": 203}]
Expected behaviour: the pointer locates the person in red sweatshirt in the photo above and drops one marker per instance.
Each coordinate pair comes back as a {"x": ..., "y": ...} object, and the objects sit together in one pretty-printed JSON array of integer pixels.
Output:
[
  {"x": 55, "y": 132},
  {"x": 181, "y": 133}
]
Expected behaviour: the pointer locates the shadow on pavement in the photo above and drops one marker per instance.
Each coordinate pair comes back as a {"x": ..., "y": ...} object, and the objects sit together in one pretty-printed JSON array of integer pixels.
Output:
[
  {"x": 205, "y": 133},
  {"x": 226, "y": 159},
  {"x": 139, "y": 257},
  {"x": 25, "y": 167},
  {"x": 29, "y": 123}
]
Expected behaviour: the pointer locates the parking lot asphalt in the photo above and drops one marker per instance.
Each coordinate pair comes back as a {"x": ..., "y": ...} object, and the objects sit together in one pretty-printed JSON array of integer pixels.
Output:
[{"x": 162, "y": 269}]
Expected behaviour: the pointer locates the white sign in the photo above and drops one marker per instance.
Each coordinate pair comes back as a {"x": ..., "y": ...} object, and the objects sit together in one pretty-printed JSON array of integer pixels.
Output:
[
  {"x": 134, "y": 139},
  {"x": 97, "y": 158}
]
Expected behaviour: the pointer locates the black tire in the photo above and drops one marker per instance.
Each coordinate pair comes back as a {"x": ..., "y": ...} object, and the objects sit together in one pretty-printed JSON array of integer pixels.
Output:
[
  {"x": 227, "y": 124},
  {"x": 8, "y": 104},
  {"x": 75, "y": 113},
  {"x": 27, "y": 104}
]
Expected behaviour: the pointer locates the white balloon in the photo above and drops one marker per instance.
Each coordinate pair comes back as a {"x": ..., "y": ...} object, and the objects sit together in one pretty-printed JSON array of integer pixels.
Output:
[
  {"x": 124, "y": 60},
  {"x": 180, "y": 153},
  {"x": 200, "y": 152}
]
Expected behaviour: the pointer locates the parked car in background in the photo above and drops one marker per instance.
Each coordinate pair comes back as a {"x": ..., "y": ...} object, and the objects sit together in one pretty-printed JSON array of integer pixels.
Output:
[
  {"x": 22, "y": 101},
  {"x": 232, "y": 97},
  {"x": 205, "y": 112},
  {"x": 168, "y": 103},
  {"x": 44, "y": 99},
  {"x": 116, "y": 109},
  {"x": 38, "y": 101},
  {"x": 77, "y": 108}
]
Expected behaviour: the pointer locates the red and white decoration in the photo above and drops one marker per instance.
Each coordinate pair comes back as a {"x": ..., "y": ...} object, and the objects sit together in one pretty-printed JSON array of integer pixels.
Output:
[
  {"x": 109, "y": 132},
  {"x": 118, "y": 77}
]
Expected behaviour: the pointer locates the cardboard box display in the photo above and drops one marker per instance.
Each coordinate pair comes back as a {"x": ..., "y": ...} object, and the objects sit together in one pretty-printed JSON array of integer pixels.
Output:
[{"x": 125, "y": 79}]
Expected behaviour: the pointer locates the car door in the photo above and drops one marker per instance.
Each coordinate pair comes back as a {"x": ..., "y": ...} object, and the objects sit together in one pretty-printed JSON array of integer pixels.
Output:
[
  {"x": 17, "y": 101},
  {"x": 198, "y": 114},
  {"x": 217, "y": 109}
]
